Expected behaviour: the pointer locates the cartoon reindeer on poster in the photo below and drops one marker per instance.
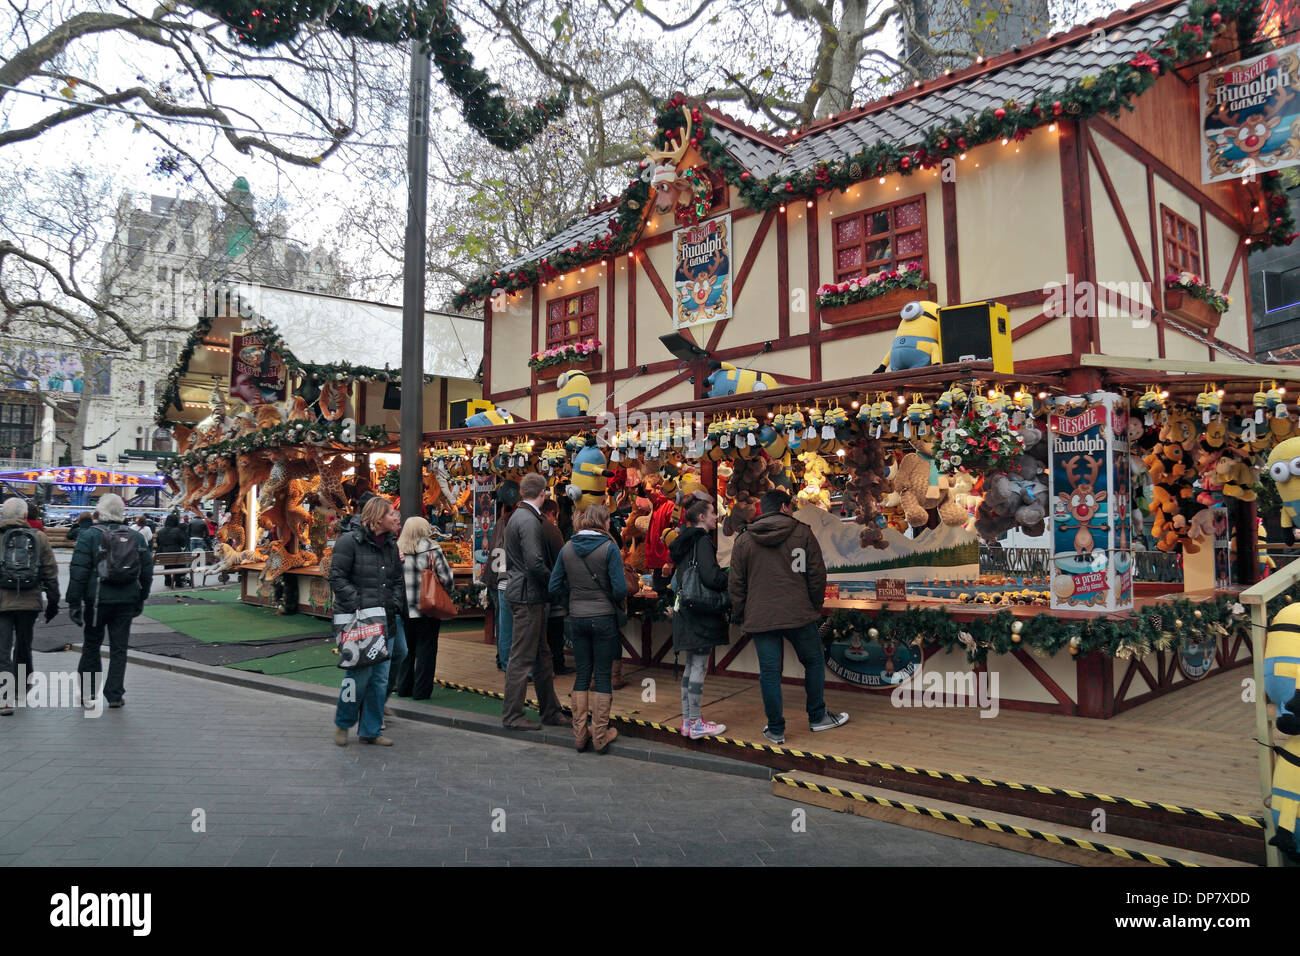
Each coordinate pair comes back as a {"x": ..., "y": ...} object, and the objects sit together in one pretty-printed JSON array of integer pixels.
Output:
[
  {"x": 1248, "y": 133},
  {"x": 1082, "y": 502},
  {"x": 694, "y": 293}
]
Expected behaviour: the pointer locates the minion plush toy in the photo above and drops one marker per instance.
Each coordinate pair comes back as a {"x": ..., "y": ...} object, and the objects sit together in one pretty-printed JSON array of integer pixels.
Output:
[
  {"x": 1284, "y": 469},
  {"x": 916, "y": 343},
  {"x": 493, "y": 416},
  {"x": 574, "y": 395},
  {"x": 1281, "y": 672},
  {"x": 589, "y": 474},
  {"x": 726, "y": 379}
]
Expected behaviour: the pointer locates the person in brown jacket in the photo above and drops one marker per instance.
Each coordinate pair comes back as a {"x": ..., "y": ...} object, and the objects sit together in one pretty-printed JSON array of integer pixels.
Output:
[
  {"x": 777, "y": 586},
  {"x": 33, "y": 571}
]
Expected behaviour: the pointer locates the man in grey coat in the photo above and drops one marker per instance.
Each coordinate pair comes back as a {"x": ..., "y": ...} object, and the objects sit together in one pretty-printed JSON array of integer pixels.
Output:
[{"x": 528, "y": 575}]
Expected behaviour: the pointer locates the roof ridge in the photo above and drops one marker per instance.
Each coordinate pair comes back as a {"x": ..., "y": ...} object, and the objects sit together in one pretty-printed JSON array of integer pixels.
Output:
[
  {"x": 730, "y": 122},
  {"x": 981, "y": 67}
]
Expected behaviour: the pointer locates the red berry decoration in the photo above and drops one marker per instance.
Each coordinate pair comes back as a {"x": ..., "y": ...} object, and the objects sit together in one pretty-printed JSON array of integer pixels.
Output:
[
  {"x": 904, "y": 162},
  {"x": 1000, "y": 113},
  {"x": 789, "y": 187},
  {"x": 745, "y": 175},
  {"x": 1216, "y": 19},
  {"x": 1057, "y": 109}
]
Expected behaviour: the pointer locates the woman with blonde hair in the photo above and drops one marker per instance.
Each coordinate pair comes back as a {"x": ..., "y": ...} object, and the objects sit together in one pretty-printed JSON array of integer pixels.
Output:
[
  {"x": 420, "y": 551},
  {"x": 588, "y": 579},
  {"x": 365, "y": 572}
]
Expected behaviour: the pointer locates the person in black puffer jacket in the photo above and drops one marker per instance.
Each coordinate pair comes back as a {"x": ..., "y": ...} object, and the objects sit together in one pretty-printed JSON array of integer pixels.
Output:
[
  {"x": 365, "y": 572},
  {"x": 95, "y": 605},
  {"x": 697, "y": 632},
  {"x": 172, "y": 539}
]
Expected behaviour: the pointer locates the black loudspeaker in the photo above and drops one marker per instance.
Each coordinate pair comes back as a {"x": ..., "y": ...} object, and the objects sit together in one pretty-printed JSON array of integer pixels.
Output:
[
  {"x": 976, "y": 332},
  {"x": 459, "y": 411},
  {"x": 392, "y": 396}
]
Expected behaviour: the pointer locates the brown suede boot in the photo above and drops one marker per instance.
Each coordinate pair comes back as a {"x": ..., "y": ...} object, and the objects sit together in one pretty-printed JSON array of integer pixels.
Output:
[
  {"x": 602, "y": 734},
  {"x": 616, "y": 673},
  {"x": 581, "y": 710}
]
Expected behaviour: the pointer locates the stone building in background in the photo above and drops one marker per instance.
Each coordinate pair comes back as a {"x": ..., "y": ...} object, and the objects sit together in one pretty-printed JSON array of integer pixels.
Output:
[{"x": 165, "y": 254}]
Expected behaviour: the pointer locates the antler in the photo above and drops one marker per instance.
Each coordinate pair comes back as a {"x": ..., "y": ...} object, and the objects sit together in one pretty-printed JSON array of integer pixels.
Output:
[
  {"x": 1070, "y": 465},
  {"x": 1094, "y": 468},
  {"x": 676, "y": 148}
]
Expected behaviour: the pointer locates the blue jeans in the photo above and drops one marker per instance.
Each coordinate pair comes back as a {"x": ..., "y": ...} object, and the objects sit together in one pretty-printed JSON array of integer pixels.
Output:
[
  {"x": 368, "y": 685},
  {"x": 398, "y": 654},
  {"x": 808, "y": 648},
  {"x": 595, "y": 648},
  {"x": 505, "y": 629}
]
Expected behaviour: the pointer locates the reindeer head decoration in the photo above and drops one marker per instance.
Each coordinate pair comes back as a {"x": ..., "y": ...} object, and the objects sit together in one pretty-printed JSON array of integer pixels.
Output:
[
  {"x": 1082, "y": 501},
  {"x": 672, "y": 189}
]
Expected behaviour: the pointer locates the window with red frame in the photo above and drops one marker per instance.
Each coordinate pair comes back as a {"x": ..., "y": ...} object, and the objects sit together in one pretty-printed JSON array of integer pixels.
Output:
[
  {"x": 885, "y": 237},
  {"x": 1182, "y": 242},
  {"x": 572, "y": 318}
]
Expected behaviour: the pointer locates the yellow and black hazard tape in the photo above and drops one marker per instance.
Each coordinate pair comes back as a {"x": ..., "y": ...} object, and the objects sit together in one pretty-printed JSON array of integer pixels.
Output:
[
  {"x": 977, "y": 823},
  {"x": 1253, "y": 822}
]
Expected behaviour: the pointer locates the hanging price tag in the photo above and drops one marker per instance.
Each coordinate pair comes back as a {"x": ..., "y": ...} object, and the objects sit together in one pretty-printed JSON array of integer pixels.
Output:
[
  {"x": 810, "y": 432},
  {"x": 1259, "y": 416},
  {"x": 893, "y": 426},
  {"x": 1280, "y": 411},
  {"x": 613, "y": 455},
  {"x": 1149, "y": 420},
  {"x": 725, "y": 441},
  {"x": 907, "y": 429},
  {"x": 1205, "y": 417},
  {"x": 752, "y": 440},
  {"x": 828, "y": 432}
]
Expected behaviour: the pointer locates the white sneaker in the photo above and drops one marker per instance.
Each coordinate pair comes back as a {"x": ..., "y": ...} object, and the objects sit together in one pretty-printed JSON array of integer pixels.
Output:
[{"x": 831, "y": 721}]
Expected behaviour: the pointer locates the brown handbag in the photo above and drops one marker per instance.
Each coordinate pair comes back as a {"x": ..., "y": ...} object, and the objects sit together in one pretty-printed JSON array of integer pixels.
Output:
[{"x": 434, "y": 599}]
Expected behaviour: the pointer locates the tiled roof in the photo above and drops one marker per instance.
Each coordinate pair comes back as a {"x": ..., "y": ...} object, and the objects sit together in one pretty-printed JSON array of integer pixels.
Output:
[
  {"x": 903, "y": 119},
  {"x": 906, "y": 122}
]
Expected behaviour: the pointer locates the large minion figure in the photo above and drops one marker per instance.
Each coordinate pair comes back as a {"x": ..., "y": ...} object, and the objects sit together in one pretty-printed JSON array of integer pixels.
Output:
[
  {"x": 1281, "y": 672},
  {"x": 589, "y": 474},
  {"x": 492, "y": 416},
  {"x": 1284, "y": 469},
  {"x": 916, "y": 343},
  {"x": 726, "y": 379},
  {"x": 574, "y": 395}
]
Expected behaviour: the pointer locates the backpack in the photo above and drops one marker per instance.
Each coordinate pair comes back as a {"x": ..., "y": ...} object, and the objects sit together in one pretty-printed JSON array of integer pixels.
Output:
[
  {"x": 19, "y": 560},
  {"x": 118, "y": 560}
]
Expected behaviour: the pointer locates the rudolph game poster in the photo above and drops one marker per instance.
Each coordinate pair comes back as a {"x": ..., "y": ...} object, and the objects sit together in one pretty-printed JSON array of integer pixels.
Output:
[
  {"x": 702, "y": 272},
  {"x": 1250, "y": 116},
  {"x": 1092, "y": 559}
]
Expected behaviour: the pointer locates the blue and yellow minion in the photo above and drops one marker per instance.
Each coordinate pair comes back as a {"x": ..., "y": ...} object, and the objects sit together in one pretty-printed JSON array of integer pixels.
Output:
[
  {"x": 916, "y": 343},
  {"x": 726, "y": 379},
  {"x": 574, "y": 395},
  {"x": 1284, "y": 469},
  {"x": 1281, "y": 673},
  {"x": 589, "y": 474},
  {"x": 492, "y": 416}
]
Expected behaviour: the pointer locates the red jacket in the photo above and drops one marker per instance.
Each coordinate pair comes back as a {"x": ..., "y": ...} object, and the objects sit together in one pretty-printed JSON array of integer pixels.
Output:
[{"x": 661, "y": 519}]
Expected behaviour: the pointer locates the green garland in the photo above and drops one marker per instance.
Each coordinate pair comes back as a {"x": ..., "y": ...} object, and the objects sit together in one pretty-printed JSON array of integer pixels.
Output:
[
  {"x": 391, "y": 483},
  {"x": 336, "y": 371},
  {"x": 1107, "y": 92},
  {"x": 623, "y": 227},
  {"x": 467, "y": 596},
  {"x": 286, "y": 433},
  {"x": 266, "y": 23},
  {"x": 1168, "y": 625}
]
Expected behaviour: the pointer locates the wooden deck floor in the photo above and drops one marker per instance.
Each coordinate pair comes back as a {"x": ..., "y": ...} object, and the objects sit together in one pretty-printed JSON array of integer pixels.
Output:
[{"x": 1192, "y": 748}]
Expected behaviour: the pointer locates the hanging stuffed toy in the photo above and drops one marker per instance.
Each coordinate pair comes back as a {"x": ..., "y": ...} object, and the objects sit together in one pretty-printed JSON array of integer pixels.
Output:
[
  {"x": 1284, "y": 469},
  {"x": 589, "y": 474}
]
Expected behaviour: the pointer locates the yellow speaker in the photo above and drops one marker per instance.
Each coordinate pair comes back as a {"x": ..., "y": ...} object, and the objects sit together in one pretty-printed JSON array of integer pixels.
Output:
[{"x": 976, "y": 332}]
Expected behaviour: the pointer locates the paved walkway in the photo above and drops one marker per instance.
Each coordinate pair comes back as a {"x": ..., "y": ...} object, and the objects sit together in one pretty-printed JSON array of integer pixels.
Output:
[{"x": 123, "y": 789}]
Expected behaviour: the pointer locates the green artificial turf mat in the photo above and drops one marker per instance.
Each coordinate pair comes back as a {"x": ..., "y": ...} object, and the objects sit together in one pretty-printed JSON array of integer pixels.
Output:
[
  {"x": 316, "y": 665},
  {"x": 213, "y": 622}
]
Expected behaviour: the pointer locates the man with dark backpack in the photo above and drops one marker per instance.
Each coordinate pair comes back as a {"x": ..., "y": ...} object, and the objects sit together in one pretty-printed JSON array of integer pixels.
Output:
[
  {"x": 111, "y": 573},
  {"x": 27, "y": 568}
]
